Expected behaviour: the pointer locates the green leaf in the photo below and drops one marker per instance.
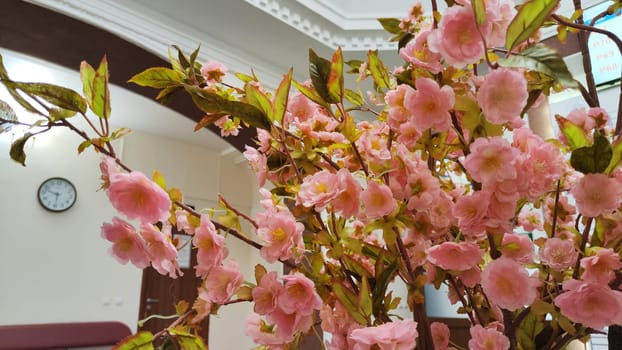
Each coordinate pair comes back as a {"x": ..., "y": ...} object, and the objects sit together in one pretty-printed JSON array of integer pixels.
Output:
[
  {"x": 281, "y": 95},
  {"x": 157, "y": 77},
  {"x": 391, "y": 25},
  {"x": 576, "y": 137},
  {"x": 310, "y": 93},
  {"x": 356, "y": 98},
  {"x": 138, "y": 341},
  {"x": 175, "y": 64},
  {"x": 319, "y": 70},
  {"x": 479, "y": 9},
  {"x": 364, "y": 299},
  {"x": 188, "y": 341},
  {"x": 7, "y": 114},
  {"x": 95, "y": 87},
  {"x": 17, "y": 149},
  {"x": 159, "y": 179},
  {"x": 257, "y": 98},
  {"x": 378, "y": 70},
  {"x": 335, "y": 78},
  {"x": 349, "y": 301},
  {"x": 84, "y": 145},
  {"x": 593, "y": 159},
  {"x": 56, "y": 95},
  {"x": 531, "y": 15},
  {"x": 616, "y": 147},
  {"x": 60, "y": 113},
  {"x": 543, "y": 59},
  {"x": 210, "y": 102}
]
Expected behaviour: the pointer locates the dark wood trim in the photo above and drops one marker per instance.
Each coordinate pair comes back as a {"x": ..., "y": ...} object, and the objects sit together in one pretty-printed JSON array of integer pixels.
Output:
[{"x": 54, "y": 37}]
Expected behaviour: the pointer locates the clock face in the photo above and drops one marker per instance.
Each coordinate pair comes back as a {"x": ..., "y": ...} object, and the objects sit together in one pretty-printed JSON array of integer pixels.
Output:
[{"x": 57, "y": 194}]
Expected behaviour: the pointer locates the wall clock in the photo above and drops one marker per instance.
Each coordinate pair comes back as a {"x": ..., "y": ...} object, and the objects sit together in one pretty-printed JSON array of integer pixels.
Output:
[{"x": 57, "y": 194}]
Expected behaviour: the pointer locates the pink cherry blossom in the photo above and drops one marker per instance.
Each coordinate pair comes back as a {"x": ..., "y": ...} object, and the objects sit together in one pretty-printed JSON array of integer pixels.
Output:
[
  {"x": 398, "y": 113},
  {"x": 395, "y": 335},
  {"x": 127, "y": 245},
  {"x": 487, "y": 339},
  {"x": 378, "y": 200},
  {"x": 458, "y": 38},
  {"x": 318, "y": 190},
  {"x": 280, "y": 234},
  {"x": 592, "y": 304},
  {"x": 503, "y": 95},
  {"x": 597, "y": 194},
  {"x": 530, "y": 220},
  {"x": 600, "y": 268},
  {"x": 455, "y": 256},
  {"x": 471, "y": 211},
  {"x": 258, "y": 162},
  {"x": 418, "y": 53},
  {"x": 223, "y": 281},
  {"x": 211, "y": 249},
  {"x": 299, "y": 108},
  {"x": 108, "y": 166},
  {"x": 182, "y": 223},
  {"x": 347, "y": 201},
  {"x": 161, "y": 250},
  {"x": 590, "y": 119},
  {"x": 491, "y": 160},
  {"x": 288, "y": 324},
  {"x": 137, "y": 197},
  {"x": 430, "y": 104},
  {"x": 298, "y": 295},
  {"x": 517, "y": 247},
  {"x": 213, "y": 71},
  {"x": 266, "y": 293},
  {"x": 261, "y": 333},
  {"x": 440, "y": 335},
  {"x": 499, "y": 13},
  {"x": 508, "y": 285}
]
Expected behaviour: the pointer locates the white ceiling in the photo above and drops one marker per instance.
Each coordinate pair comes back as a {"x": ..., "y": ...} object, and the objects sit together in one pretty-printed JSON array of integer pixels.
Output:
[{"x": 269, "y": 36}]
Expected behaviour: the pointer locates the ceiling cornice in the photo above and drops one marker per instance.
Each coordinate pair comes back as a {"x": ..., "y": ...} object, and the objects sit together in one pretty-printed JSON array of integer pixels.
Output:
[
  {"x": 155, "y": 33},
  {"x": 324, "y": 24}
]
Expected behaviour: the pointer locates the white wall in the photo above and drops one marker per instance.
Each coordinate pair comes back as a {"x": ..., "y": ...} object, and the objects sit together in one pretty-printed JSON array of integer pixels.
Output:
[{"x": 56, "y": 268}]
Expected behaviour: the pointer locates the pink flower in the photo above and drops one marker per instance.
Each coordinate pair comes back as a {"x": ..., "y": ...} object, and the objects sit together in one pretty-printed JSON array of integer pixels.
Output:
[
  {"x": 440, "y": 335},
  {"x": 318, "y": 190},
  {"x": 262, "y": 333},
  {"x": 503, "y": 95},
  {"x": 398, "y": 113},
  {"x": 347, "y": 201},
  {"x": 161, "y": 250},
  {"x": 457, "y": 38},
  {"x": 258, "y": 162},
  {"x": 499, "y": 13},
  {"x": 213, "y": 71},
  {"x": 597, "y": 194},
  {"x": 126, "y": 243},
  {"x": 593, "y": 118},
  {"x": 487, "y": 339},
  {"x": 378, "y": 200},
  {"x": 298, "y": 295},
  {"x": 530, "y": 220},
  {"x": 471, "y": 211},
  {"x": 491, "y": 160},
  {"x": 280, "y": 234},
  {"x": 210, "y": 247},
  {"x": 137, "y": 197},
  {"x": 600, "y": 268},
  {"x": 518, "y": 248},
  {"x": 508, "y": 285},
  {"x": 455, "y": 256},
  {"x": 558, "y": 254},
  {"x": 182, "y": 223},
  {"x": 223, "y": 281},
  {"x": 266, "y": 293},
  {"x": 108, "y": 166},
  {"x": 591, "y": 304},
  {"x": 418, "y": 53},
  {"x": 430, "y": 104},
  {"x": 395, "y": 335}
]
